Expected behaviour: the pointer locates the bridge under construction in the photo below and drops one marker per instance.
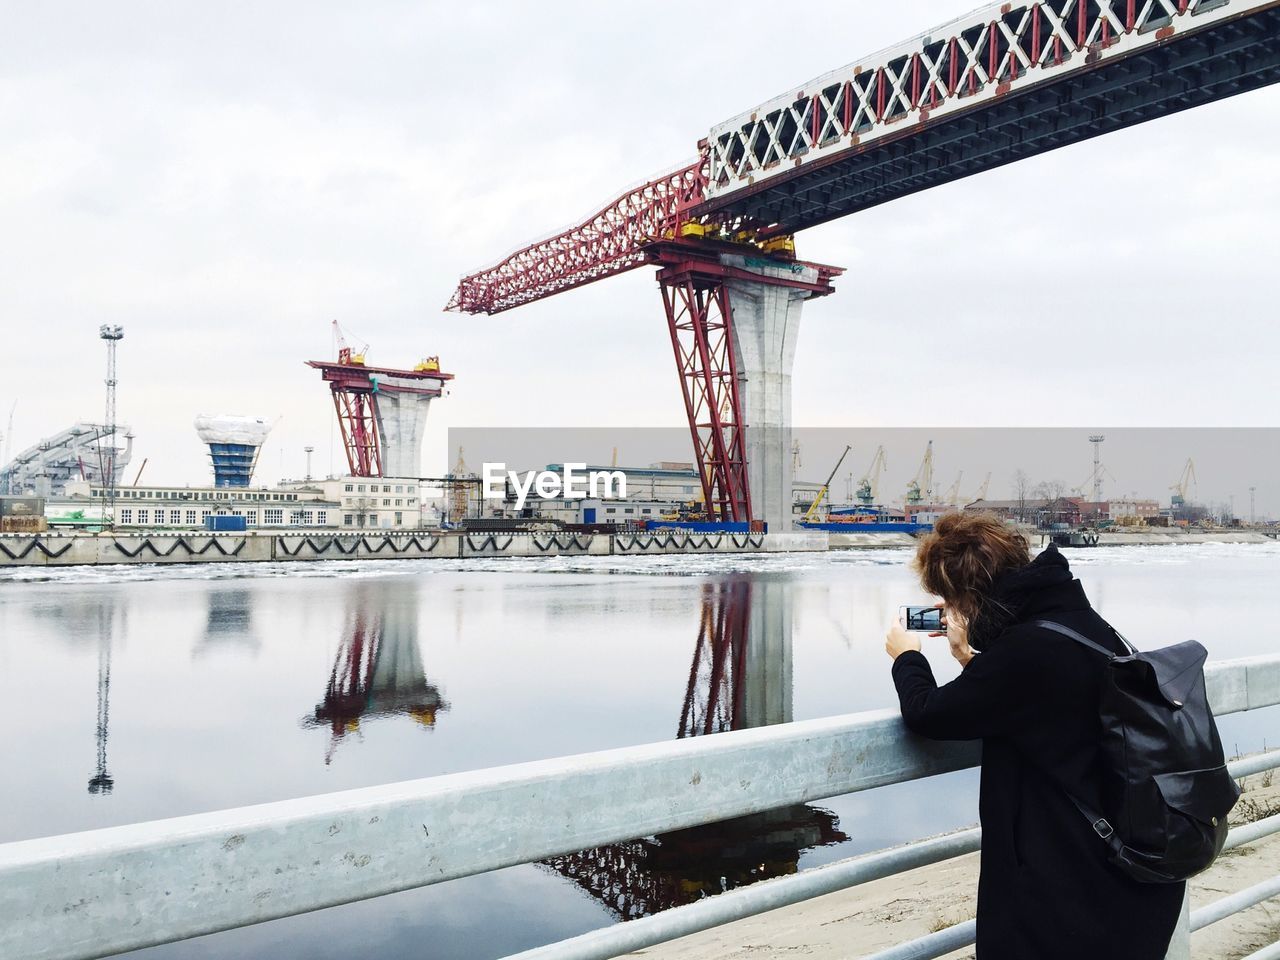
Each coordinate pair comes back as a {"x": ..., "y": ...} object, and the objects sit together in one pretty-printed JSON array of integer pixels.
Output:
[{"x": 1006, "y": 82}]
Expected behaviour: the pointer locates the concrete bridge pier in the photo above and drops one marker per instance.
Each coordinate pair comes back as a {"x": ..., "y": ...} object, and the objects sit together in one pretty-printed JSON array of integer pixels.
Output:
[
  {"x": 402, "y": 406},
  {"x": 767, "y": 679},
  {"x": 766, "y": 327}
]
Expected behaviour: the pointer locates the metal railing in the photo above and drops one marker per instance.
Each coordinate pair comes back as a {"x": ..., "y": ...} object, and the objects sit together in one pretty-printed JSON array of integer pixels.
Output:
[{"x": 106, "y": 891}]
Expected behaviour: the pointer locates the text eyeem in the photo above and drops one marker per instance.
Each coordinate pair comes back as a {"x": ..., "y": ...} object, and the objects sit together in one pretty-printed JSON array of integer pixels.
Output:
[{"x": 576, "y": 482}]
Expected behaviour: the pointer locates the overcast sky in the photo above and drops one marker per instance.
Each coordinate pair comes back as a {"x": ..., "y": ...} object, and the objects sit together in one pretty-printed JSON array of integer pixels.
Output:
[{"x": 224, "y": 179}]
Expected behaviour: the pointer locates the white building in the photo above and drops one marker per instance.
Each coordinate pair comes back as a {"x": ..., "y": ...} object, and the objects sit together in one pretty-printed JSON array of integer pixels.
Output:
[
  {"x": 380, "y": 503},
  {"x": 170, "y": 507}
]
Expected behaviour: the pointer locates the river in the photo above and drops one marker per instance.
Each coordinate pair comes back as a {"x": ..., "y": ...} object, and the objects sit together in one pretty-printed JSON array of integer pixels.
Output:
[{"x": 146, "y": 692}]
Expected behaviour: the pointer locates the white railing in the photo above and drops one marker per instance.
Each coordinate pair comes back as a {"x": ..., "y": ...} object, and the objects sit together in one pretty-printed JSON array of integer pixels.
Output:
[{"x": 107, "y": 891}]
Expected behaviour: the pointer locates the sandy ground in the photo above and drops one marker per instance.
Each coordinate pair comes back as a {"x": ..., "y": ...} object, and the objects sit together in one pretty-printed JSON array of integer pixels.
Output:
[{"x": 877, "y": 915}]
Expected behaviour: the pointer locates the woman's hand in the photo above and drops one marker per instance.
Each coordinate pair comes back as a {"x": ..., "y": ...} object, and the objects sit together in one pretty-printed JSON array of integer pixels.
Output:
[
  {"x": 898, "y": 640},
  {"x": 957, "y": 634}
]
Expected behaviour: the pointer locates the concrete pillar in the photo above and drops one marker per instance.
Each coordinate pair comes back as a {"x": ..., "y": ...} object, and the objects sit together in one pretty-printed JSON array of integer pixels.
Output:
[
  {"x": 402, "y": 419},
  {"x": 766, "y": 688},
  {"x": 766, "y": 324}
]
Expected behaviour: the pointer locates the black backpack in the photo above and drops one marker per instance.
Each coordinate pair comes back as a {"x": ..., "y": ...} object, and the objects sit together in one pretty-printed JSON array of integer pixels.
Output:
[{"x": 1166, "y": 791}]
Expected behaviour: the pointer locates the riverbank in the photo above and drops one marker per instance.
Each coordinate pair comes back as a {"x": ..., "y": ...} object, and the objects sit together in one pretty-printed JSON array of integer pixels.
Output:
[
  {"x": 1037, "y": 538},
  {"x": 99, "y": 549},
  {"x": 875, "y": 916}
]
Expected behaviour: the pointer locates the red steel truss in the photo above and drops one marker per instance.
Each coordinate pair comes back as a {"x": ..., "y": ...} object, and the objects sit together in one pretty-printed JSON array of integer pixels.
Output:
[
  {"x": 696, "y": 297},
  {"x": 713, "y": 696},
  {"x": 701, "y": 326},
  {"x": 606, "y": 244},
  {"x": 359, "y": 425},
  {"x": 933, "y": 109},
  {"x": 355, "y": 398}
]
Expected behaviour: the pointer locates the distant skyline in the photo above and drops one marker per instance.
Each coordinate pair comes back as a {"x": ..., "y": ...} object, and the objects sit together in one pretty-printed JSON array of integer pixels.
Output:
[
  {"x": 1141, "y": 462},
  {"x": 223, "y": 181}
]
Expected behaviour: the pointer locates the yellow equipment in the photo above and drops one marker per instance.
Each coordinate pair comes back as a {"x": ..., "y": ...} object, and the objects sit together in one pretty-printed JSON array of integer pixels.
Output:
[
  {"x": 952, "y": 497},
  {"x": 982, "y": 490},
  {"x": 817, "y": 501},
  {"x": 1186, "y": 484},
  {"x": 428, "y": 365},
  {"x": 785, "y": 245}
]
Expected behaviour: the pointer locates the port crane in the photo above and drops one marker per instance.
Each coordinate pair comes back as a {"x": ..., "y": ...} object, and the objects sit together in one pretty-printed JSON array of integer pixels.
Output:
[
  {"x": 812, "y": 512},
  {"x": 1185, "y": 484},
  {"x": 952, "y": 497},
  {"x": 920, "y": 488},
  {"x": 982, "y": 490},
  {"x": 869, "y": 485}
]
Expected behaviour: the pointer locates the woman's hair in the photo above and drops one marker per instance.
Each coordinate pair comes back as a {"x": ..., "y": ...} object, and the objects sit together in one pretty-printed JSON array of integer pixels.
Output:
[{"x": 961, "y": 559}]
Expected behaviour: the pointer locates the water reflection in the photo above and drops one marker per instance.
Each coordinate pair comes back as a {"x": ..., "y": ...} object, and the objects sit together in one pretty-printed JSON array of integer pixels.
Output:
[
  {"x": 228, "y": 622},
  {"x": 378, "y": 669},
  {"x": 740, "y": 677},
  {"x": 102, "y": 783}
]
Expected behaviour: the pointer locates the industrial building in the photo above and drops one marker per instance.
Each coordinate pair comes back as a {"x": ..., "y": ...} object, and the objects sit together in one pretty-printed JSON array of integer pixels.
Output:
[
  {"x": 188, "y": 508},
  {"x": 344, "y": 503},
  {"x": 82, "y": 451},
  {"x": 381, "y": 503},
  {"x": 662, "y": 489}
]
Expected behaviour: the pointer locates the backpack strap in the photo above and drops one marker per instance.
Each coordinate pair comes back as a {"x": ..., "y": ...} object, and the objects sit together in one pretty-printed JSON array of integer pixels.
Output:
[
  {"x": 1077, "y": 637},
  {"x": 1101, "y": 826}
]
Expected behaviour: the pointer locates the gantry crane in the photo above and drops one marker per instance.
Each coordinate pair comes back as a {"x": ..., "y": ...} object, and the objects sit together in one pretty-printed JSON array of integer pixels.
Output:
[
  {"x": 1185, "y": 483},
  {"x": 869, "y": 486},
  {"x": 920, "y": 488}
]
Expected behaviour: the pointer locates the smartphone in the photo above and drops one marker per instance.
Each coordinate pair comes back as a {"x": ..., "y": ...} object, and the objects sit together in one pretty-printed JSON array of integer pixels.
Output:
[{"x": 922, "y": 619}]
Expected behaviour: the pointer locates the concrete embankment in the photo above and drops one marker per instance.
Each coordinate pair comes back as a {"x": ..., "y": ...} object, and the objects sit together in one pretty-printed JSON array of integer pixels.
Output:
[
  {"x": 1150, "y": 538},
  {"x": 105, "y": 548}
]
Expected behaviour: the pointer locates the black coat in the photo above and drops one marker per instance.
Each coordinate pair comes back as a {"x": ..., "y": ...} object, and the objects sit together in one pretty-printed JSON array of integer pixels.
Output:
[{"x": 1046, "y": 889}]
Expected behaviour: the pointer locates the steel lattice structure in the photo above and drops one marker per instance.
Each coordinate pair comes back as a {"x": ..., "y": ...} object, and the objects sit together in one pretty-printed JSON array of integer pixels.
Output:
[
  {"x": 608, "y": 243},
  {"x": 697, "y": 300},
  {"x": 1008, "y": 81}
]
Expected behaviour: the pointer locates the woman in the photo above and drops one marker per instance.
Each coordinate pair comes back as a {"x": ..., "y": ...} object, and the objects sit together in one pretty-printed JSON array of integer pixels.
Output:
[{"x": 1046, "y": 890}]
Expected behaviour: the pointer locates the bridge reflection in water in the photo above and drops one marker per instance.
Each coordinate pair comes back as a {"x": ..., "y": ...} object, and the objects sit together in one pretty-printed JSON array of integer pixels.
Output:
[
  {"x": 378, "y": 669},
  {"x": 740, "y": 677}
]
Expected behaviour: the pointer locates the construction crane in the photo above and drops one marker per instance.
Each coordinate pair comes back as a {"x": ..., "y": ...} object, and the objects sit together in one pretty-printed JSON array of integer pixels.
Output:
[
  {"x": 817, "y": 501},
  {"x": 869, "y": 486},
  {"x": 952, "y": 496},
  {"x": 459, "y": 492},
  {"x": 346, "y": 356},
  {"x": 921, "y": 487},
  {"x": 982, "y": 490},
  {"x": 1186, "y": 483}
]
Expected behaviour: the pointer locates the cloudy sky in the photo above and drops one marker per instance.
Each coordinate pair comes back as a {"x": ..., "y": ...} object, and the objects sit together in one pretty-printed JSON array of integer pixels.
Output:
[{"x": 225, "y": 179}]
